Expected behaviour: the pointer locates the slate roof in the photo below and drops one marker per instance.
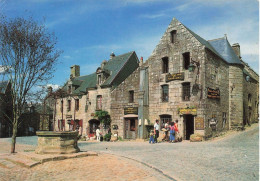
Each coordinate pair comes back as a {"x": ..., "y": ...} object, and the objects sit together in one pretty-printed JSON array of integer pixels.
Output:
[
  {"x": 116, "y": 69},
  {"x": 223, "y": 47},
  {"x": 3, "y": 85},
  {"x": 220, "y": 47}
]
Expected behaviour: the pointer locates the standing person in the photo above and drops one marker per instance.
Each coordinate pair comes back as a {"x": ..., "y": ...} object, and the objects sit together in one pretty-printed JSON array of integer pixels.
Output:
[
  {"x": 156, "y": 130},
  {"x": 151, "y": 137},
  {"x": 172, "y": 132},
  {"x": 98, "y": 134},
  {"x": 176, "y": 129},
  {"x": 166, "y": 130}
]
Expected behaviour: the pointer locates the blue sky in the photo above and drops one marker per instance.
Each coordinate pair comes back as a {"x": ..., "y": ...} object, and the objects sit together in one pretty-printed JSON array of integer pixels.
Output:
[{"x": 89, "y": 30}]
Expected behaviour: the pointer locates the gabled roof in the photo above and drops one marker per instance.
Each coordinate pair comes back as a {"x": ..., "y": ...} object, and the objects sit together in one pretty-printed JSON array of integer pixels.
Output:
[
  {"x": 115, "y": 67},
  {"x": 3, "y": 86},
  {"x": 203, "y": 42},
  {"x": 223, "y": 48},
  {"x": 220, "y": 47}
]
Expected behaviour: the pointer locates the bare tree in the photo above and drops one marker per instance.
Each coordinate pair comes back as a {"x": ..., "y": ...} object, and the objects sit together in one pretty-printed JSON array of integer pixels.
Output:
[{"x": 28, "y": 54}]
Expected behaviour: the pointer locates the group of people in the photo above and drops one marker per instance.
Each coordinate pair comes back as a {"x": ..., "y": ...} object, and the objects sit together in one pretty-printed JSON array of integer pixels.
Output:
[{"x": 172, "y": 128}]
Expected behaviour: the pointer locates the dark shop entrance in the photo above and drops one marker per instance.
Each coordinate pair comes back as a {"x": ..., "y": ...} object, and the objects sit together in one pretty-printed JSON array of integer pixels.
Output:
[{"x": 188, "y": 121}]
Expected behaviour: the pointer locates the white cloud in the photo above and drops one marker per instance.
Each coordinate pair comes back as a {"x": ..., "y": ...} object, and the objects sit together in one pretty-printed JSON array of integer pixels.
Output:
[
  {"x": 67, "y": 57},
  {"x": 152, "y": 16},
  {"x": 54, "y": 86}
]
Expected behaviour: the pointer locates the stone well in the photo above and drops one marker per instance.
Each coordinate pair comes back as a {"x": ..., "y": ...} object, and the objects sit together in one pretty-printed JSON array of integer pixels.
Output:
[{"x": 51, "y": 142}]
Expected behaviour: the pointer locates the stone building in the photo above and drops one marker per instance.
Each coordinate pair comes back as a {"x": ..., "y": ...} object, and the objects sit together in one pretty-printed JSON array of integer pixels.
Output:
[
  {"x": 204, "y": 84},
  {"x": 87, "y": 94}
]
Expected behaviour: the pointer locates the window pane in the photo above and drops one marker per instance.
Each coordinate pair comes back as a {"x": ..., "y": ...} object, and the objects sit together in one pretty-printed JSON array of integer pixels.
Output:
[
  {"x": 186, "y": 91},
  {"x": 165, "y": 93}
]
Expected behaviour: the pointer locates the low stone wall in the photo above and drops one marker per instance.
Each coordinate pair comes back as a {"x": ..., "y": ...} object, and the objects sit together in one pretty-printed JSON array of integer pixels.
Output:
[{"x": 50, "y": 142}]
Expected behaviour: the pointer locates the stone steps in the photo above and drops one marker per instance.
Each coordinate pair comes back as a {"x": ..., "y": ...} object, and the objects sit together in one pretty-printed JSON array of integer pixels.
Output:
[
  {"x": 29, "y": 160},
  {"x": 7, "y": 164}
]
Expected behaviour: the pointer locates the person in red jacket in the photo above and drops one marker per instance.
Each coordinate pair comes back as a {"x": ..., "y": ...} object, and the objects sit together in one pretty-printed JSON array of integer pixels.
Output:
[{"x": 176, "y": 126}]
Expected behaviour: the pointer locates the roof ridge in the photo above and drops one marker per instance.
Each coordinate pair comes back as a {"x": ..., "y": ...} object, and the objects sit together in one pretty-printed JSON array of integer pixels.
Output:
[{"x": 217, "y": 39}]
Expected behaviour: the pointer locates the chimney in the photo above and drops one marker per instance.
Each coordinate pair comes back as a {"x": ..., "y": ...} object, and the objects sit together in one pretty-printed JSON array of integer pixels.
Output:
[
  {"x": 74, "y": 71},
  {"x": 112, "y": 55},
  {"x": 236, "y": 48},
  {"x": 141, "y": 61},
  {"x": 103, "y": 64}
]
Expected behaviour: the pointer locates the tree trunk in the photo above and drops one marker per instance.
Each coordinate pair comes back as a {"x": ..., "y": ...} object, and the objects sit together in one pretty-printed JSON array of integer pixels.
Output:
[{"x": 14, "y": 138}]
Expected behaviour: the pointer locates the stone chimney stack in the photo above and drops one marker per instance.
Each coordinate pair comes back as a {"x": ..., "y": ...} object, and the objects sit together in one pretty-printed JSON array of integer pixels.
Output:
[
  {"x": 103, "y": 64},
  {"x": 112, "y": 55},
  {"x": 141, "y": 61},
  {"x": 74, "y": 71},
  {"x": 236, "y": 48}
]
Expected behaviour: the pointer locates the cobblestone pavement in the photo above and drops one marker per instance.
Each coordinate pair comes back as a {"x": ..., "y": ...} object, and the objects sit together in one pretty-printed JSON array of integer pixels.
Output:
[
  {"x": 102, "y": 167},
  {"x": 235, "y": 157}
]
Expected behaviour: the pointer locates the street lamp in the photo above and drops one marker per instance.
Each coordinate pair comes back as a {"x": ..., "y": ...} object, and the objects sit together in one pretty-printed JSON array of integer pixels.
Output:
[{"x": 193, "y": 65}]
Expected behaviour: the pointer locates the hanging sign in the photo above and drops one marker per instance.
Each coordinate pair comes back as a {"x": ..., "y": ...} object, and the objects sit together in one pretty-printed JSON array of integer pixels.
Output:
[
  {"x": 213, "y": 93},
  {"x": 130, "y": 110},
  {"x": 177, "y": 76},
  {"x": 68, "y": 116},
  {"x": 191, "y": 111},
  {"x": 199, "y": 123}
]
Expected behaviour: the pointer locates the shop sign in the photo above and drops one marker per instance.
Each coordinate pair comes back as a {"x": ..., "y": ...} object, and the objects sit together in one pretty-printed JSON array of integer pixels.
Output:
[
  {"x": 177, "y": 76},
  {"x": 199, "y": 123},
  {"x": 130, "y": 110},
  {"x": 213, "y": 93},
  {"x": 68, "y": 116},
  {"x": 192, "y": 111}
]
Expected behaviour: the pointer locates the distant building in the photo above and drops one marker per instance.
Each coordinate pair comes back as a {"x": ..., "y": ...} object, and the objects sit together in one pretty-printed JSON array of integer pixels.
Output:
[
  {"x": 5, "y": 109},
  {"x": 204, "y": 84}
]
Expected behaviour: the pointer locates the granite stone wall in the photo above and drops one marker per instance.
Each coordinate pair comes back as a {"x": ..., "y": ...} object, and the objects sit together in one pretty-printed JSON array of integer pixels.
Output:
[{"x": 120, "y": 100}]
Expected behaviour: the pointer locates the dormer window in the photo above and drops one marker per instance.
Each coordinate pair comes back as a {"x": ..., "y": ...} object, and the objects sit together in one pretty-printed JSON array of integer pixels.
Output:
[
  {"x": 69, "y": 89},
  {"x": 165, "y": 65},
  {"x": 99, "y": 79},
  {"x": 173, "y": 36}
]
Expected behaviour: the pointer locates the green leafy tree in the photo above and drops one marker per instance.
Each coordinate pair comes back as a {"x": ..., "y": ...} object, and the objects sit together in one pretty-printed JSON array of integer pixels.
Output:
[{"x": 103, "y": 117}]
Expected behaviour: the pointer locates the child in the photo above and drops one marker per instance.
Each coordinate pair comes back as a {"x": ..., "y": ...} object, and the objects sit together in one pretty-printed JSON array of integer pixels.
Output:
[{"x": 151, "y": 136}]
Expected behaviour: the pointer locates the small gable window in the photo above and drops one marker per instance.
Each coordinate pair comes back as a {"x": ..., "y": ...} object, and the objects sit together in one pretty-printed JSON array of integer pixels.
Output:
[
  {"x": 173, "y": 36},
  {"x": 99, "y": 79},
  {"x": 131, "y": 96},
  {"x": 186, "y": 60},
  {"x": 165, "y": 65},
  {"x": 69, "y": 89}
]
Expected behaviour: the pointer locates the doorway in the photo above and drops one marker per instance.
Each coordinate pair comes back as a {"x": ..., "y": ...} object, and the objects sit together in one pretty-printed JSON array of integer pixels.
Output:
[
  {"x": 93, "y": 125},
  {"x": 130, "y": 128},
  {"x": 188, "y": 126}
]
